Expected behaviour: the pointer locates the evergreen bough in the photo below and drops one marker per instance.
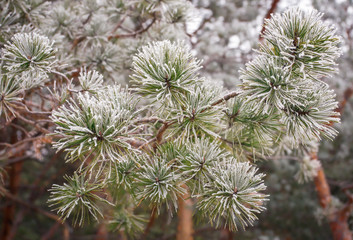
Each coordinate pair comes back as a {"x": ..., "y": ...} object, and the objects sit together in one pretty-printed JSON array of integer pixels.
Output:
[
  {"x": 175, "y": 132},
  {"x": 282, "y": 95}
]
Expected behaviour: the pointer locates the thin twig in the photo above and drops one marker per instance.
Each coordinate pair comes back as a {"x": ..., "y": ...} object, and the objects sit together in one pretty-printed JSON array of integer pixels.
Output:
[
  {"x": 348, "y": 93},
  {"x": 225, "y": 98},
  {"x": 20, "y": 128},
  {"x": 31, "y": 139},
  {"x": 150, "y": 222},
  {"x": 30, "y": 111},
  {"x": 37, "y": 209},
  {"x": 147, "y": 144},
  {"x": 49, "y": 235},
  {"x": 43, "y": 130},
  {"x": 267, "y": 16},
  {"x": 135, "y": 33},
  {"x": 13, "y": 160},
  {"x": 201, "y": 26},
  {"x": 119, "y": 23},
  {"x": 162, "y": 130},
  {"x": 148, "y": 120}
]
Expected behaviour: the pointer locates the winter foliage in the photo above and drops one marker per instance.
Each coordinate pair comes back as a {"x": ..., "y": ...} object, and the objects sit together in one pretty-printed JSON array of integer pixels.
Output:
[
  {"x": 144, "y": 126},
  {"x": 229, "y": 192},
  {"x": 165, "y": 71}
]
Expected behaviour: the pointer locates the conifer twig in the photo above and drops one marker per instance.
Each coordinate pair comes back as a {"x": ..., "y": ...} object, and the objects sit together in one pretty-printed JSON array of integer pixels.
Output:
[
  {"x": 267, "y": 16},
  {"x": 135, "y": 33},
  {"x": 225, "y": 98}
]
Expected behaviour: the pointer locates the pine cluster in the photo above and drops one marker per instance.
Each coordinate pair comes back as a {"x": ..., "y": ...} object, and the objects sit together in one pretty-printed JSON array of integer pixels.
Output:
[{"x": 173, "y": 131}]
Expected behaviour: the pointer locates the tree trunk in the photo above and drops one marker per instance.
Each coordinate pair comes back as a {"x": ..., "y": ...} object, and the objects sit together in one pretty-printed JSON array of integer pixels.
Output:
[
  {"x": 338, "y": 219},
  {"x": 9, "y": 211},
  {"x": 226, "y": 234},
  {"x": 185, "y": 229},
  {"x": 102, "y": 233},
  {"x": 13, "y": 173}
]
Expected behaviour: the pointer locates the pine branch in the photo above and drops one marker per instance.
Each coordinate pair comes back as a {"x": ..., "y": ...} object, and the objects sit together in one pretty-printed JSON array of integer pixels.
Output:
[
  {"x": 162, "y": 130},
  {"x": 135, "y": 33},
  {"x": 149, "y": 120},
  {"x": 150, "y": 223},
  {"x": 121, "y": 21},
  {"x": 225, "y": 98}
]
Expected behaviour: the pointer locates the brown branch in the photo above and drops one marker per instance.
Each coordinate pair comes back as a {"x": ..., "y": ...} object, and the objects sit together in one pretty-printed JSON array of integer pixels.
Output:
[
  {"x": 122, "y": 20},
  {"x": 76, "y": 42},
  {"x": 198, "y": 231},
  {"x": 126, "y": 29},
  {"x": 31, "y": 139},
  {"x": 147, "y": 144},
  {"x": 135, "y": 143},
  {"x": 225, "y": 98},
  {"x": 33, "y": 123},
  {"x": 150, "y": 223},
  {"x": 135, "y": 33},
  {"x": 348, "y": 93},
  {"x": 102, "y": 233},
  {"x": 185, "y": 224},
  {"x": 337, "y": 220},
  {"x": 201, "y": 26},
  {"x": 226, "y": 234},
  {"x": 52, "y": 216},
  {"x": 20, "y": 128},
  {"x": 14, "y": 175},
  {"x": 149, "y": 120},
  {"x": 49, "y": 235},
  {"x": 23, "y": 106},
  {"x": 14, "y": 160},
  {"x": 161, "y": 131},
  {"x": 268, "y": 16}
]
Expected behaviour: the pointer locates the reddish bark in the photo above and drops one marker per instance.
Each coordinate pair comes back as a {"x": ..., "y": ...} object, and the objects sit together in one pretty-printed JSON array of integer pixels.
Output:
[
  {"x": 338, "y": 219},
  {"x": 150, "y": 223},
  {"x": 226, "y": 234},
  {"x": 102, "y": 233},
  {"x": 14, "y": 172},
  {"x": 268, "y": 15},
  {"x": 185, "y": 223},
  {"x": 14, "y": 199},
  {"x": 346, "y": 96},
  {"x": 9, "y": 211}
]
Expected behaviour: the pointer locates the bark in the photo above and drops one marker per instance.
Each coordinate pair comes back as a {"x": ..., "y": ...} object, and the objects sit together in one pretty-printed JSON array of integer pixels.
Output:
[
  {"x": 102, "y": 233},
  {"x": 226, "y": 234},
  {"x": 14, "y": 172},
  {"x": 15, "y": 199},
  {"x": 338, "y": 219},
  {"x": 9, "y": 211},
  {"x": 185, "y": 223},
  {"x": 268, "y": 15},
  {"x": 150, "y": 223},
  {"x": 49, "y": 235}
]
